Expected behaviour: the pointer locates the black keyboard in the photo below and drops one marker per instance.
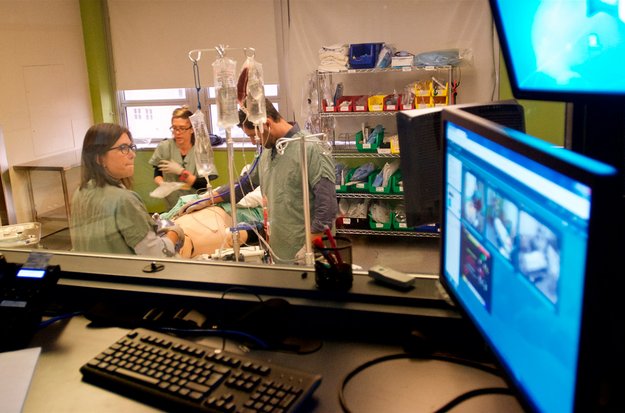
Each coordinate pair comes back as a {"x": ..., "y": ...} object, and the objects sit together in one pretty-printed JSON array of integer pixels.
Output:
[{"x": 175, "y": 374}]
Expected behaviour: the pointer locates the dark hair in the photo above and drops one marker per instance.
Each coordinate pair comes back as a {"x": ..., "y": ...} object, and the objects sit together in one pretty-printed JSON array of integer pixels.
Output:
[
  {"x": 271, "y": 113},
  {"x": 184, "y": 112},
  {"x": 98, "y": 140}
]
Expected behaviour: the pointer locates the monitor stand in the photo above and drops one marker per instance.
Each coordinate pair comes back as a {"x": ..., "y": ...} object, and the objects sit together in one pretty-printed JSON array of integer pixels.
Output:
[{"x": 597, "y": 130}]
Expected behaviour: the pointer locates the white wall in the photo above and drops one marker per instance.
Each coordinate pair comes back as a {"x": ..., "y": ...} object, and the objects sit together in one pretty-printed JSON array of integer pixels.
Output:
[{"x": 45, "y": 106}]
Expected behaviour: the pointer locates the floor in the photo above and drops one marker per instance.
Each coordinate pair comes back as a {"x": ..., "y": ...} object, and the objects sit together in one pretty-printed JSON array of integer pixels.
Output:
[{"x": 412, "y": 255}]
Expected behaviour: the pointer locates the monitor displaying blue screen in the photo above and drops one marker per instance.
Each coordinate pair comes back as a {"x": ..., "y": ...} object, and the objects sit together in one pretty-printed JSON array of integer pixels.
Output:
[
  {"x": 563, "y": 49},
  {"x": 515, "y": 238}
]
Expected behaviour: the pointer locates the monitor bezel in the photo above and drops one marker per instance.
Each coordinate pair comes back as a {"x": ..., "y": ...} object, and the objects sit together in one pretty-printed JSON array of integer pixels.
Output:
[
  {"x": 600, "y": 315},
  {"x": 542, "y": 94}
]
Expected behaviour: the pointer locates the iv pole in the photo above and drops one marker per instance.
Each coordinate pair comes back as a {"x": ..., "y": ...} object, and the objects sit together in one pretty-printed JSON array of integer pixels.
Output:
[
  {"x": 221, "y": 51},
  {"x": 281, "y": 145}
]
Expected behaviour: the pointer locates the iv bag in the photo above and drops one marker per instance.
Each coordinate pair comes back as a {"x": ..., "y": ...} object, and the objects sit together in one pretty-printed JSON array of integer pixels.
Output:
[
  {"x": 204, "y": 159},
  {"x": 255, "y": 92},
  {"x": 226, "y": 91}
]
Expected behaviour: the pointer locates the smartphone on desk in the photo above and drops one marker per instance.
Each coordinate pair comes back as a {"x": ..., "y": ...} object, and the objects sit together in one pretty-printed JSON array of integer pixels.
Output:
[{"x": 24, "y": 294}]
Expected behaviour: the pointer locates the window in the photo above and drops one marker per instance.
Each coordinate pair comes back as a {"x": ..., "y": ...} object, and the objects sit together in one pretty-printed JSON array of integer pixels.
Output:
[{"x": 147, "y": 113}]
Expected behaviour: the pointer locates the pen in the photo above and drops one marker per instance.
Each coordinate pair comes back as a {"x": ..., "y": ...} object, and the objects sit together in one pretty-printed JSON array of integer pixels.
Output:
[
  {"x": 319, "y": 244},
  {"x": 328, "y": 233}
]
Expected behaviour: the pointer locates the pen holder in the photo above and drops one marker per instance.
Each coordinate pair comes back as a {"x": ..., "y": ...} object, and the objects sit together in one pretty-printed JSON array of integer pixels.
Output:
[{"x": 333, "y": 265}]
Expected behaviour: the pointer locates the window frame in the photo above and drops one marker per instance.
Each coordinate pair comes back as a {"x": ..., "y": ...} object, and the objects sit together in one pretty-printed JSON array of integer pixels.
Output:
[{"x": 207, "y": 104}]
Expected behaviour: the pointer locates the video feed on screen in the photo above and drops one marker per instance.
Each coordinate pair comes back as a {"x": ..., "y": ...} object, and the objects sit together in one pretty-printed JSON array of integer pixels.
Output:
[{"x": 570, "y": 46}]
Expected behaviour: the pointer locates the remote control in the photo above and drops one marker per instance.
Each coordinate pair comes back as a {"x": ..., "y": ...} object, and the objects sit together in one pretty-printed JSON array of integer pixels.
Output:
[{"x": 390, "y": 276}]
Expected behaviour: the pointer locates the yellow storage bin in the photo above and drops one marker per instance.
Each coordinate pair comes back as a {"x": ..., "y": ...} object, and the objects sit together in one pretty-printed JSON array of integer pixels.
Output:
[{"x": 376, "y": 103}]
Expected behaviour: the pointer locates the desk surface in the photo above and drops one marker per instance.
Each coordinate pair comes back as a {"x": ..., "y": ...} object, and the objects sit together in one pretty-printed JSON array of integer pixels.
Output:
[
  {"x": 396, "y": 386},
  {"x": 59, "y": 162}
]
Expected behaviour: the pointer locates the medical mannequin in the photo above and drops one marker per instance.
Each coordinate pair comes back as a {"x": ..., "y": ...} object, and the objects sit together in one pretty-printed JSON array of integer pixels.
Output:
[{"x": 280, "y": 179}]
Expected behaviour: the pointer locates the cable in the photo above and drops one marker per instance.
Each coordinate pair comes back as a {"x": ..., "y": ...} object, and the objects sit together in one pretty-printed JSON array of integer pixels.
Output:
[
  {"x": 53, "y": 320},
  {"x": 473, "y": 393},
  {"x": 223, "y": 295},
  {"x": 440, "y": 357},
  {"x": 217, "y": 332}
]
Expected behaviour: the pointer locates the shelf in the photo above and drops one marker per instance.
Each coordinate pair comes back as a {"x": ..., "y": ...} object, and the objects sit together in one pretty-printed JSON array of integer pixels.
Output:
[
  {"x": 411, "y": 234},
  {"x": 387, "y": 113},
  {"x": 388, "y": 69},
  {"x": 368, "y": 195},
  {"x": 344, "y": 154},
  {"x": 344, "y": 144}
]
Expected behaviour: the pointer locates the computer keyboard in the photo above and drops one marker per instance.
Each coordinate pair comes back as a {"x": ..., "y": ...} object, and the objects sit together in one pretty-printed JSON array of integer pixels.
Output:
[{"x": 175, "y": 374}]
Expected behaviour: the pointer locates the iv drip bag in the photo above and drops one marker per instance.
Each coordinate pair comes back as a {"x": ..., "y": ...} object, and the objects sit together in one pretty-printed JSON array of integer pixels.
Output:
[
  {"x": 204, "y": 158},
  {"x": 226, "y": 91},
  {"x": 255, "y": 92}
]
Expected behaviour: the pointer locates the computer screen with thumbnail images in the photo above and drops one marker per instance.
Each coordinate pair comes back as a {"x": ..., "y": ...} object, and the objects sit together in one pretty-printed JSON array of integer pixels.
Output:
[{"x": 525, "y": 254}]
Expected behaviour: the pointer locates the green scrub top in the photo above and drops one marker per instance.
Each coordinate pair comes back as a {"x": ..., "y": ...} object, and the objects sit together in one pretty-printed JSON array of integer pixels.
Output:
[
  {"x": 168, "y": 151},
  {"x": 281, "y": 183},
  {"x": 108, "y": 219}
]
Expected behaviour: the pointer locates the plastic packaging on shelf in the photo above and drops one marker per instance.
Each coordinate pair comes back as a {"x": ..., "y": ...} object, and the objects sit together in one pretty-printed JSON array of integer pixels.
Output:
[{"x": 224, "y": 70}]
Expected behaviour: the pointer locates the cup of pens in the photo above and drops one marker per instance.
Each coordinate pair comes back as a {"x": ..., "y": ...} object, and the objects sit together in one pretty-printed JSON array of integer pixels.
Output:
[{"x": 333, "y": 263}]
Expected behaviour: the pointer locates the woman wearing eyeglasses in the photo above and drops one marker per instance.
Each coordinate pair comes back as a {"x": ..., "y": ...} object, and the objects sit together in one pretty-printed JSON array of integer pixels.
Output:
[
  {"x": 107, "y": 216},
  {"x": 174, "y": 159}
]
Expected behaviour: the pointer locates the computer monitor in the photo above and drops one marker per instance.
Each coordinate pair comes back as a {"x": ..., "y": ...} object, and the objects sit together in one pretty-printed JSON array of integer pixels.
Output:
[
  {"x": 419, "y": 132},
  {"x": 563, "y": 49},
  {"x": 529, "y": 255},
  {"x": 571, "y": 51}
]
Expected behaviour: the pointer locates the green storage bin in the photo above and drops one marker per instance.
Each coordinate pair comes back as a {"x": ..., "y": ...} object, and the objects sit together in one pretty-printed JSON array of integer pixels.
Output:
[
  {"x": 381, "y": 226},
  {"x": 397, "y": 186},
  {"x": 368, "y": 147},
  {"x": 378, "y": 189}
]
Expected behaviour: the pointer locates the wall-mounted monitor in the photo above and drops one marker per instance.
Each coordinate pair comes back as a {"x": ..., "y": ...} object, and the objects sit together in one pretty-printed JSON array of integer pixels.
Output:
[
  {"x": 419, "y": 133},
  {"x": 563, "y": 50},
  {"x": 571, "y": 51},
  {"x": 529, "y": 253}
]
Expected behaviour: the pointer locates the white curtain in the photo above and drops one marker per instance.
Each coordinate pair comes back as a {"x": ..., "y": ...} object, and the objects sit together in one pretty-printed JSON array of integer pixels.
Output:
[{"x": 151, "y": 39}]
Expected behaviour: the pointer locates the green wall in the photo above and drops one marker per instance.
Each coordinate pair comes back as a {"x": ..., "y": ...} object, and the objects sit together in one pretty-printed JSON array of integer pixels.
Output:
[
  {"x": 544, "y": 120},
  {"x": 101, "y": 85},
  {"x": 144, "y": 174}
]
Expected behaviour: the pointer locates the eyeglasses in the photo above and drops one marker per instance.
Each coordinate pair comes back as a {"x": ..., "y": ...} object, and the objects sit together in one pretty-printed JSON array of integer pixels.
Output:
[
  {"x": 125, "y": 148},
  {"x": 179, "y": 129}
]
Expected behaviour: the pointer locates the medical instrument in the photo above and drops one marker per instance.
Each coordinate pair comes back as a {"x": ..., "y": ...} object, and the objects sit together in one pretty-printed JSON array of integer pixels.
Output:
[
  {"x": 224, "y": 70},
  {"x": 254, "y": 91},
  {"x": 204, "y": 157}
]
